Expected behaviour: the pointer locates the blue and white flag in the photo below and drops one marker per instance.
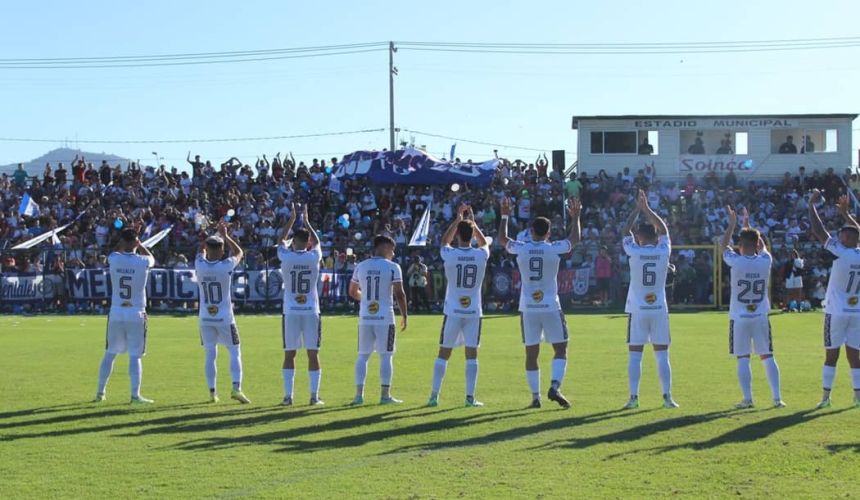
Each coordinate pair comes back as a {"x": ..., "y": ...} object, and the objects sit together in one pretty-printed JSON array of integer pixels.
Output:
[
  {"x": 154, "y": 240},
  {"x": 38, "y": 239},
  {"x": 414, "y": 167},
  {"x": 422, "y": 230},
  {"x": 453, "y": 150},
  {"x": 147, "y": 231},
  {"x": 334, "y": 184},
  {"x": 28, "y": 206}
]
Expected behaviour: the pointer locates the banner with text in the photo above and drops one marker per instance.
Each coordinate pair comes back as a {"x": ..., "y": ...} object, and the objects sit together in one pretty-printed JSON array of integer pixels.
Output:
[
  {"x": 413, "y": 166},
  {"x": 29, "y": 287},
  {"x": 721, "y": 164}
]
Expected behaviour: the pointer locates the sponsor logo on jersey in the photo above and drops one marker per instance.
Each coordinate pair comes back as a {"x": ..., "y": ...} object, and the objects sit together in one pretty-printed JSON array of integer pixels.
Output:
[
  {"x": 373, "y": 307},
  {"x": 537, "y": 295},
  {"x": 465, "y": 301},
  {"x": 852, "y": 301},
  {"x": 125, "y": 304},
  {"x": 650, "y": 297},
  {"x": 301, "y": 299},
  {"x": 212, "y": 310},
  {"x": 752, "y": 307}
]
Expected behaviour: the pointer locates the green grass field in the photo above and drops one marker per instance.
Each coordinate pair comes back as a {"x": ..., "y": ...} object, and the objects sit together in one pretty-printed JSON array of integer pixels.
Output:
[{"x": 54, "y": 443}]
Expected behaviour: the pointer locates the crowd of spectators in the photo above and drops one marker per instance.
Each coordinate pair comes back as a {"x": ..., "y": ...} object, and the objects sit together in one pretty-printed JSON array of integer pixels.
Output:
[{"x": 92, "y": 197}]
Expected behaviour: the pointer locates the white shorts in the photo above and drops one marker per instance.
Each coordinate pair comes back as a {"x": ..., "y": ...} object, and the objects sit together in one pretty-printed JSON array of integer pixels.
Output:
[
  {"x": 301, "y": 331},
  {"x": 648, "y": 329},
  {"x": 218, "y": 333},
  {"x": 459, "y": 330},
  {"x": 796, "y": 282},
  {"x": 379, "y": 338},
  {"x": 842, "y": 329},
  {"x": 549, "y": 327},
  {"x": 750, "y": 335},
  {"x": 126, "y": 336}
]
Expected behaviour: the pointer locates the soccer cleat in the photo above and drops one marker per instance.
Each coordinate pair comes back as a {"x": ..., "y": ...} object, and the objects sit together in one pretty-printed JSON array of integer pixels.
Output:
[
  {"x": 535, "y": 403},
  {"x": 316, "y": 402},
  {"x": 433, "y": 402},
  {"x": 555, "y": 395},
  {"x": 669, "y": 403},
  {"x": 239, "y": 396},
  {"x": 745, "y": 404},
  {"x": 288, "y": 401},
  {"x": 100, "y": 396},
  {"x": 357, "y": 401},
  {"x": 778, "y": 403},
  {"x": 825, "y": 403},
  {"x": 856, "y": 402},
  {"x": 389, "y": 401},
  {"x": 471, "y": 402},
  {"x": 213, "y": 398},
  {"x": 632, "y": 404},
  {"x": 140, "y": 400}
]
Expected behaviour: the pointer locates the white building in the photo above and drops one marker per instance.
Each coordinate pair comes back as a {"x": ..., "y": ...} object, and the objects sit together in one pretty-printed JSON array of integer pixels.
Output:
[{"x": 753, "y": 146}]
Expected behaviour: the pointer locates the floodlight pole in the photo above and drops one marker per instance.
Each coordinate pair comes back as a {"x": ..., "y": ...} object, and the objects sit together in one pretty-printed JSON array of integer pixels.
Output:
[{"x": 391, "y": 72}]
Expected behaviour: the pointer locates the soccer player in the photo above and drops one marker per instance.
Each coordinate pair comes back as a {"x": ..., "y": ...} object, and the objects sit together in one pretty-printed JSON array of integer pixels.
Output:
[
  {"x": 465, "y": 267},
  {"x": 374, "y": 282},
  {"x": 126, "y": 322},
  {"x": 748, "y": 312},
  {"x": 301, "y": 324},
  {"x": 541, "y": 317},
  {"x": 648, "y": 321},
  {"x": 217, "y": 324},
  {"x": 842, "y": 311}
]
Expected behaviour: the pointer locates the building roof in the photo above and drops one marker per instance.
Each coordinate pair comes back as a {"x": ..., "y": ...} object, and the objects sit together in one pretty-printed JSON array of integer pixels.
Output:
[{"x": 576, "y": 119}]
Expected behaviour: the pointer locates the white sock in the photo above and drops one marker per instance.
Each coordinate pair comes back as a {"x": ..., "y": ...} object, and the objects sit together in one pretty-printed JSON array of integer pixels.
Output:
[
  {"x": 772, "y": 371},
  {"x": 471, "y": 376},
  {"x": 533, "y": 378},
  {"x": 314, "y": 378},
  {"x": 236, "y": 366},
  {"x": 828, "y": 373},
  {"x": 855, "y": 381},
  {"x": 289, "y": 377},
  {"x": 439, "y": 368},
  {"x": 105, "y": 370},
  {"x": 634, "y": 371},
  {"x": 386, "y": 368},
  {"x": 559, "y": 366},
  {"x": 664, "y": 370},
  {"x": 135, "y": 374},
  {"x": 361, "y": 369},
  {"x": 209, "y": 365},
  {"x": 745, "y": 377}
]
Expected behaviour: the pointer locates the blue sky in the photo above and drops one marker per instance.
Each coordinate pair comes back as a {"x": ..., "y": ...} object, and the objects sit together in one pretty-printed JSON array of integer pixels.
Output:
[{"x": 521, "y": 100}]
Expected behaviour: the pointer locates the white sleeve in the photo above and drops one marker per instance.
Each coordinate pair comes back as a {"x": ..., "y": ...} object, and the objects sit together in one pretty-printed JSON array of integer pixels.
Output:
[
  {"x": 835, "y": 247},
  {"x": 629, "y": 245},
  {"x": 396, "y": 274},
  {"x": 514, "y": 247},
  {"x": 730, "y": 257},
  {"x": 150, "y": 261},
  {"x": 445, "y": 252},
  {"x": 355, "y": 277},
  {"x": 665, "y": 242},
  {"x": 561, "y": 247}
]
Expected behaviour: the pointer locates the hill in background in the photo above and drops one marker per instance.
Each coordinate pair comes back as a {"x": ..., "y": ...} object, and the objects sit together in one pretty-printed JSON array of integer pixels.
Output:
[{"x": 64, "y": 155}]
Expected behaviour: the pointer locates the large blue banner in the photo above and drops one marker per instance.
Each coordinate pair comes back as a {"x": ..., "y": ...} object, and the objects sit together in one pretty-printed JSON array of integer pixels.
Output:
[{"x": 413, "y": 166}]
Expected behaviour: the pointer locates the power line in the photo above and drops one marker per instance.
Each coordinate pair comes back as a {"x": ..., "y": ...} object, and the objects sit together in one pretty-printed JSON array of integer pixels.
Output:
[
  {"x": 178, "y": 141},
  {"x": 460, "y": 139}
]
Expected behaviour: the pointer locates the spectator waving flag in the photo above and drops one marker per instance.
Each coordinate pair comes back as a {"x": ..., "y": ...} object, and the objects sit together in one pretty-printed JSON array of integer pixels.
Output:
[
  {"x": 419, "y": 237},
  {"x": 28, "y": 206},
  {"x": 453, "y": 150},
  {"x": 154, "y": 240}
]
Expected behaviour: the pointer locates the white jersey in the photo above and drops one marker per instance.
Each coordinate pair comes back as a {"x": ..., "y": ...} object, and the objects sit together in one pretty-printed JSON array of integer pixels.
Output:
[
  {"x": 649, "y": 265},
  {"x": 538, "y": 263},
  {"x": 214, "y": 281},
  {"x": 750, "y": 279},
  {"x": 375, "y": 278},
  {"x": 301, "y": 273},
  {"x": 128, "y": 274},
  {"x": 464, "y": 271},
  {"x": 843, "y": 287}
]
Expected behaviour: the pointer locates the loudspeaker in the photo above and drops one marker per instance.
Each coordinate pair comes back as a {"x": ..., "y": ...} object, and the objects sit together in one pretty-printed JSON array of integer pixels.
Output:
[{"x": 558, "y": 160}]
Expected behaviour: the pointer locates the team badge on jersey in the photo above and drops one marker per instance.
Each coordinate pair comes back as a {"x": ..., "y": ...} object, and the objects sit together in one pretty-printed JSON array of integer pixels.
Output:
[
  {"x": 650, "y": 297},
  {"x": 537, "y": 295},
  {"x": 465, "y": 301},
  {"x": 752, "y": 307},
  {"x": 212, "y": 310},
  {"x": 301, "y": 299},
  {"x": 852, "y": 301},
  {"x": 373, "y": 307}
]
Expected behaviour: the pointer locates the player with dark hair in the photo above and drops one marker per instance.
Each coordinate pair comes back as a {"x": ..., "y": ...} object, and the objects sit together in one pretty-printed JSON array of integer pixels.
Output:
[
  {"x": 842, "y": 311},
  {"x": 375, "y": 282},
  {"x": 541, "y": 316}
]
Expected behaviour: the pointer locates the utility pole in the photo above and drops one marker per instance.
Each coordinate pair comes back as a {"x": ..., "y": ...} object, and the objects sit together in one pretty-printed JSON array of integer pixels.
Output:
[{"x": 391, "y": 72}]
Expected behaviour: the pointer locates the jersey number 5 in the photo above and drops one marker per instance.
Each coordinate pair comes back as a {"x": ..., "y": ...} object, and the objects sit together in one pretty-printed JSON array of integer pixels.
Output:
[{"x": 125, "y": 288}]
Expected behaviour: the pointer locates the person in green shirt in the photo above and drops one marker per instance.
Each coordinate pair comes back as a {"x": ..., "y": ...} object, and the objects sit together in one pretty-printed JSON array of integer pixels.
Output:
[
  {"x": 573, "y": 186},
  {"x": 20, "y": 176}
]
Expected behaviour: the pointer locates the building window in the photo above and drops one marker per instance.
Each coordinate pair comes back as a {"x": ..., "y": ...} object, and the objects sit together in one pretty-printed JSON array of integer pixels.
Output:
[
  {"x": 713, "y": 142},
  {"x": 619, "y": 143},
  {"x": 786, "y": 141},
  {"x": 649, "y": 142},
  {"x": 819, "y": 141},
  {"x": 597, "y": 143}
]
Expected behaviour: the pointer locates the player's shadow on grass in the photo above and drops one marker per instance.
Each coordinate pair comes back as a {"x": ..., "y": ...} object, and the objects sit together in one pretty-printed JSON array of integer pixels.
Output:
[
  {"x": 40, "y": 411},
  {"x": 517, "y": 432},
  {"x": 745, "y": 433},
  {"x": 838, "y": 448}
]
